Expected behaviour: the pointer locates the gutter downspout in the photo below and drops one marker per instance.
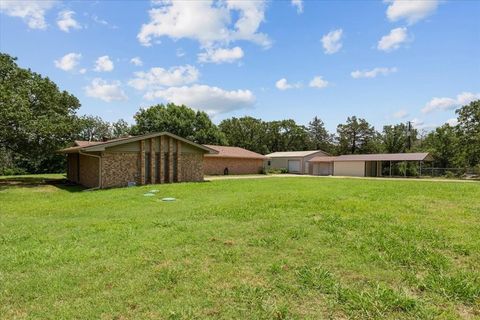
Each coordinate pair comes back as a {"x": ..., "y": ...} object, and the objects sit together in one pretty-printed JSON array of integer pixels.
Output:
[{"x": 99, "y": 169}]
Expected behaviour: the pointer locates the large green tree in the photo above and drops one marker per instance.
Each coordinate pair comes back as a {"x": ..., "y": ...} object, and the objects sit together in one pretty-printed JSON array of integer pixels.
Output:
[
  {"x": 398, "y": 138},
  {"x": 320, "y": 138},
  {"x": 469, "y": 132},
  {"x": 120, "y": 129},
  {"x": 245, "y": 132},
  {"x": 93, "y": 128},
  {"x": 286, "y": 135},
  {"x": 357, "y": 136},
  {"x": 442, "y": 143},
  {"x": 180, "y": 120},
  {"x": 36, "y": 117}
]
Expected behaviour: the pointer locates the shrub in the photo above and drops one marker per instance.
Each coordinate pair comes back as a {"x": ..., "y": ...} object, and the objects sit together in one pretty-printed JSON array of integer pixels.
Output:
[
  {"x": 450, "y": 175},
  {"x": 277, "y": 171}
]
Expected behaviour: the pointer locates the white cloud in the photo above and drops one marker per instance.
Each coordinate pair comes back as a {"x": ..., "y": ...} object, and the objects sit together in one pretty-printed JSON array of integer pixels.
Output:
[
  {"x": 82, "y": 71},
  {"x": 104, "y": 64},
  {"x": 68, "y": 62},
  {"x": 299, "y": 5},
  {"x": 331, "y": 41},
  {"x": 452, "y": 122},
  {"x": 208, "y": 22},
  {"x": 180, "y": 52},
  {"x": 318, "y": 82},
  {"x": 65, "y": 21},
  {"x": 105, "y": 91},
  {"x": 136, "y": 61},
  {"x": 158, "y": 77},
  {"x": 221, "y": 55},
  {"x": 393, "y": 40},
  {"x": 400, "y": 114},
  {"x": 410, "y": 10},
  {"x": 283, "y": 84},
  {"x": 212, "y": 100},
  {"x": 103, "y": 22},
  {"x": 372, "y": 73},
  {"x": 31, "y": 11},
  {"x": 450, "y": 103}
]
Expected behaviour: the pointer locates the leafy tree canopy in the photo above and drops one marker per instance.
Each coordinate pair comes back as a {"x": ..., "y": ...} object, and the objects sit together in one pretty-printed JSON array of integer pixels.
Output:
[
  {"x": 469, "y": 132},
  {"x": 357, "y": 136},
  {"x": 36, "y": 117},
  {"x": 320, "y": 138},
  {"x": 180, "y": 120}
]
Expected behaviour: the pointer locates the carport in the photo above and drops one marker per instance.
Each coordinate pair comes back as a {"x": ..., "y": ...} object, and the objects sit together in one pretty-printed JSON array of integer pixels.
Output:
[{"x": 370, "y": 165}]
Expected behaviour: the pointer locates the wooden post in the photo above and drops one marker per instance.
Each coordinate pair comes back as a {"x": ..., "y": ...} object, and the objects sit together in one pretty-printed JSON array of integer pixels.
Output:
[
  {"x": 179, "y": 158},
  {"x": 161, "y": 160},
  {"x": 152, "y": 161},
  {"x": 142, "y": 162},
  {"x": 170, "y": 159},
  {"x": 420, "y": 163},
  {"x": 405, "y": 172},
  {"x": 390, "y": 168}
]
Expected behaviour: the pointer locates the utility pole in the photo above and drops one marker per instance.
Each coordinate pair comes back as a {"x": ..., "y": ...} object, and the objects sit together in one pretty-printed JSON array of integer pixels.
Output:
[{"x": 409, "y": 135}]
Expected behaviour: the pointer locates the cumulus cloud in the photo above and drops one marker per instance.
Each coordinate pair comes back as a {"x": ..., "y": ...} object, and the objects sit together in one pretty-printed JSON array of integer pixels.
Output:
[
  {"x": 318, "y": 82},
  {"x": 410, "y": 10},
  {"x": 400, "y": 114},
  {"x": 221, "y": 55},
  {"x": 208, "y": 22},
  {"x": 393, "y": 40},
  {"x": 332, "y": 41},
  {"x": 68, "y": 62},
  {"x": 136, "y": 61},
  {"x": 299, "y": 5},
  {"x": 212, "y": 100},
  {"x": 106, "y": 91},
  {"x": 446, "y": 103},
  {"x": 158, "y": 77},
  {"x": 31, "y": 11},
  {"x": 283, "y": 84},
  {"x": 65, "y": 21},
  {"x": 372, "y": 73},
  {"x": 103, "y": 64}
]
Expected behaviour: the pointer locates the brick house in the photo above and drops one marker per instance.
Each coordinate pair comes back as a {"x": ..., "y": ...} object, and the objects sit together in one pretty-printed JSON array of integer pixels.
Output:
[
  {"x": 232, "y": 160},
  {"x": 150, "y": 158}
]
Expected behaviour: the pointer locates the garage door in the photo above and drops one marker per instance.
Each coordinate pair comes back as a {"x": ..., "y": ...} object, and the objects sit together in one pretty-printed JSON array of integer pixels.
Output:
[
  {"x": 293, "y": 165},
  {"x": 324, "y": 169}
]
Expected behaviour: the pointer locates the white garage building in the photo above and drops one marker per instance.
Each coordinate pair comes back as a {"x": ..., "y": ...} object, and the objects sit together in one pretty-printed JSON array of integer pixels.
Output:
[{"x": 294, "y": 161}]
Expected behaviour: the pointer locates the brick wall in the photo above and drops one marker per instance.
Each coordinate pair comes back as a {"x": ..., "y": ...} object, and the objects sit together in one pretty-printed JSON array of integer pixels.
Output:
[
  {"x": 72, "y": 167},
  {"x": 88, "y": 171},
  {"x": 191, "y": 165},
  {"x": 215, "y": 166},
  {"x": 119, "y": 168}
]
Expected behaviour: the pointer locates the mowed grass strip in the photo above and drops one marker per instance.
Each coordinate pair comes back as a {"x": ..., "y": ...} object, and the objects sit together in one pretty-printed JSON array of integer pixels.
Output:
[{"x": 285, "y": 248}]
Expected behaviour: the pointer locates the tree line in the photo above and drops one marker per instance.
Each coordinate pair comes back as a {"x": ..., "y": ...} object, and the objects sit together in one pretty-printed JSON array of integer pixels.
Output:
[{"x": 37, "y": 119}]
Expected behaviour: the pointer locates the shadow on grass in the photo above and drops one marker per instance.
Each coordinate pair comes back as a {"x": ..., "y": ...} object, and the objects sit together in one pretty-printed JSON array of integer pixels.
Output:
[{"x": 34, "y": 182}]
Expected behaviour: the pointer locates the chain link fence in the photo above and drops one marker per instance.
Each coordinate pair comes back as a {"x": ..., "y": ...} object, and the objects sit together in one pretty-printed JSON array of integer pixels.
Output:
[{"x": 414, "y": 169}]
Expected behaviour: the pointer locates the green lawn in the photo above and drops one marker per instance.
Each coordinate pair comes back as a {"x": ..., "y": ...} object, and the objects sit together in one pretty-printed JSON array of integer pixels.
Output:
[{"x": 287, "y": 248}]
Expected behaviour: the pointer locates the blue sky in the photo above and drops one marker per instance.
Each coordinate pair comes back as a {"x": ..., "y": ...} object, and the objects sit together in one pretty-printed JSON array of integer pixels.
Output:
[{"x": 386, "y": 61}]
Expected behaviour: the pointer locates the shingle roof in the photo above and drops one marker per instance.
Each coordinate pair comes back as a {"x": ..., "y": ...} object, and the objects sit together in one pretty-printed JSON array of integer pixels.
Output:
[
  {"x": 90, "y": 146},
  {"x": 233, "y": 152},
  {"x": 419, "y": 156},
  {"x": 287, "y": 154}
]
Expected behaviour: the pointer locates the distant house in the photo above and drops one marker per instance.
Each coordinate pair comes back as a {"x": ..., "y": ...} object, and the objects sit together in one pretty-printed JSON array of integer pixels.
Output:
[
  {"x": 150, "y": 158},
  {"x": 293, "y": 161},
  {"x": 232, "y": 160}
]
